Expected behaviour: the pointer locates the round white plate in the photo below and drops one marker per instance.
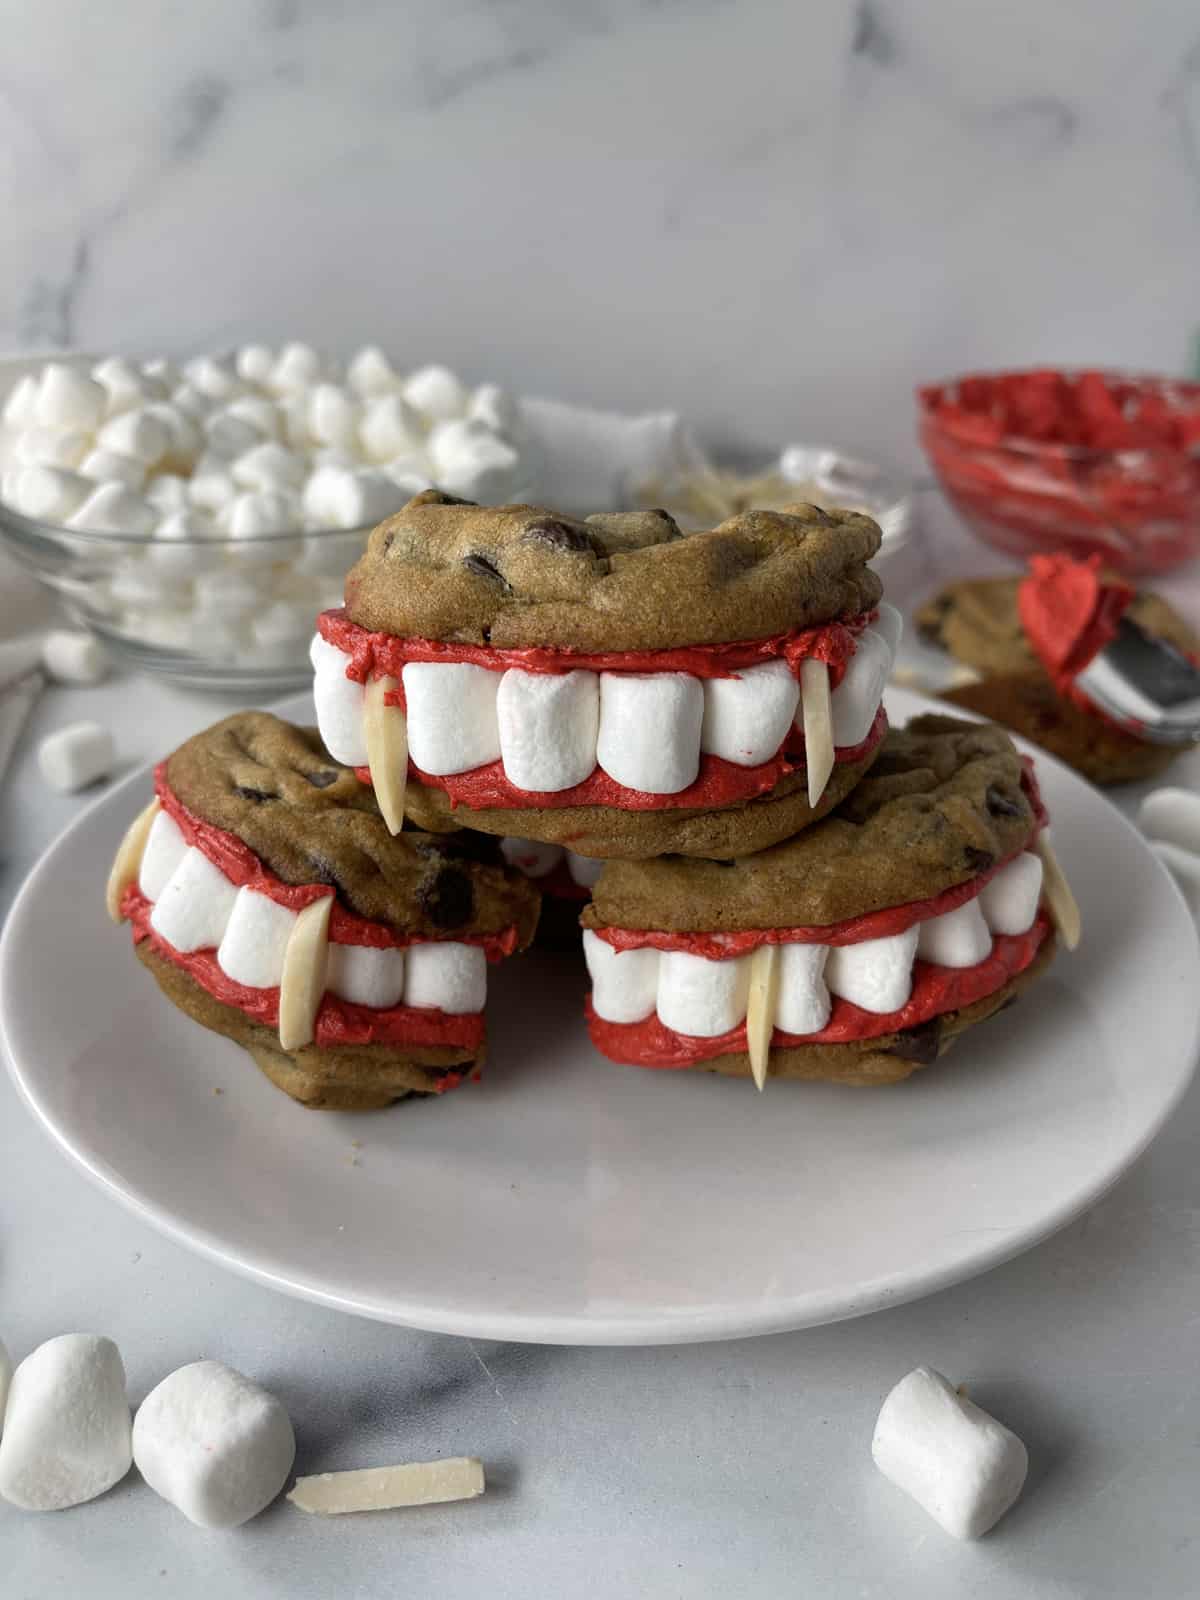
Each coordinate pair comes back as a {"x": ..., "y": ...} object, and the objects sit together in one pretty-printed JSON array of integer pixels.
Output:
[{"x": 568, "y": 1200}]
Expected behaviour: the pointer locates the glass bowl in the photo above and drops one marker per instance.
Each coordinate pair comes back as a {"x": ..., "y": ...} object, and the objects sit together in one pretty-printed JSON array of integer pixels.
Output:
[{"x": 1138, "y": 507}]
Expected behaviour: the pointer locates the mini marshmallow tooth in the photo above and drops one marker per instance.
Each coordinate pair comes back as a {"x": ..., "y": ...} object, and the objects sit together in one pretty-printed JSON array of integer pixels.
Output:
[
  {"x": 255, "y": 940},
  {"x": 384, "y": 732},
  {"x": 390, "y": 428},
  {"x": 68, "y": 399},
  {"x": 818, "y": 725},
  {"x": 254, "y": 364},
  {"x": 49, "y": 494},
  {"x": 165, "y": 849},
  {"x": 803, "y": 1005},
  {"x": 1172, "y": 816},
  {"x": 228, "y": 435},
  {"x": 70, "y": 655},
  {"x": 366, "y": 976},
  {"x": 52, "y": 447},
  {"x": 339, "y": 702},
  {"x": 75, "y": 756},
  {"x": 624, "y": 982},
  {"x": 958, "y": 938},
  {"x": 20, "y": 408},
  {"x": 1009, "y": 899},
  {"x": 436, "y": 392},
  {"x": 699, "y": 997},
  {"x": 333, "y": 415},
  {"x": 66, "y": 1426},
  {"x": 108, "y": 467},
  {"x": 447, "y": 975},
  {"x": 211, "y": 486},
  {"x": 761, "y": 1004},
  {"x": 137, "y": 433},
  {"x": 958, "y": 1463},
  {"x": 649, "y": 736},
  {"x": 269, "y": 466},
  {"x": 747, "y": 718},
  {"x": 1057, "y": 893},
  {"x": 416, "y": 1483},
  {"x": 889, "y": 624},
  {"x": 302, "y": 982},
  {"x": 370, "y": 372},
  {"x": 214, "y": 377},
  {"x": 452, "y": 720},
  {"x": 298, "y": 367},
  {"x": 195, "y": 905},
  {"x": 875, "y": 974},
  {"x": 584, "y": 870},
  {"x": 548, "y": 725},
  {"x": 855, "y": 701},
  {"x": 495, "y": 408},
  {"x": 469, "y": 460},
  {"x": 213, "y": 1444},
  {"x": 531, "y": 856},
  {"x": 127, "y": 863}
]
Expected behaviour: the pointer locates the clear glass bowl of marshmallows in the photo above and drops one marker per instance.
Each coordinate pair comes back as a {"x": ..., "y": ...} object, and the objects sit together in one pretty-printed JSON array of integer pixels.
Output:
[{"x": 196, "y": 517}]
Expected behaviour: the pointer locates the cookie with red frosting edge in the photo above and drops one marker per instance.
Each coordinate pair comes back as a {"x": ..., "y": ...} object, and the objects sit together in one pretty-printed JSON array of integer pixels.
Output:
[
  {"x": 271, "y": 809},
  {"x": 948, "y": 805}
]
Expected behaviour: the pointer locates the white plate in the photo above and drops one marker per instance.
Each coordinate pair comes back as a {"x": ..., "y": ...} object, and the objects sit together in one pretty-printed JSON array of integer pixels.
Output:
[{"x": 568, "y": 1200}]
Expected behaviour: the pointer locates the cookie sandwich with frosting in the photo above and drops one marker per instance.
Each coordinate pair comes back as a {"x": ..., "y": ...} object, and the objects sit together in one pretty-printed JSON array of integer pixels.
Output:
[
  {"x": 272, "y": 904},
  {"x": 858, "y": 950},
  {"x": 611, "y": 685}
]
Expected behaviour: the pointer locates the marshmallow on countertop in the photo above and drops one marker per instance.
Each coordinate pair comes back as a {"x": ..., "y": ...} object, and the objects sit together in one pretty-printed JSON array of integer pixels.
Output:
[
  {"x": 958, "y": 938},
  {"x": 339, "y": 703},
  {"x": 803, "y": 1004},
  {"x": 700, "y": 997},
  {"x": 452, "y": 719},
  {"x": 75, "y": 756},
  {"x": 747, "y": 718},
  {"x": 650, "y": 723},
  {"x": 214, "y": 1444},
  {"x": 1009, "y": 899},
  {"x": 548, "y": 725},
  {"x": 66, "y": 1432},
  {"x": 449, "y": 976},
  {"x": 958, "y": 1463},
  {"x": 255, "y": 940},
  {"x": 1171, "y": 816},
  {"x": 875, "y": 974},
  {"x": 71, "y": 656},
  {"x": 624, "y": 982},
  {"x": 195, "y": 905},
  {"x": 366, "y": 976},
  {"x": 165, "y": 849},
  {"x": 855, "y": 701}
]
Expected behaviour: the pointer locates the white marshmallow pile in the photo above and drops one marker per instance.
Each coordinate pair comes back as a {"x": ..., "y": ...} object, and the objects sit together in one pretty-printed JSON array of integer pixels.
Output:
[
  {"x": 66, "y": 1432},
  {"x": 193, "y": 466},
  {"x": 1170, "y": 819},
  {"x": 703, "y": 998},
  {"x": 961, "y": 1465},
  {"x": 647, "y": 731},
  {"x": 214, "y": 1444}
]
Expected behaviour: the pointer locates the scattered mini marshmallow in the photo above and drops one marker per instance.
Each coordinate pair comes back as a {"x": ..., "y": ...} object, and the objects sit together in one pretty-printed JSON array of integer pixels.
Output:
[
  {"x": 339, "y": 703},
  {"x": 624, "y": 982},
  {"x": 195, "y": 905},
  {"x": 699, "y": 997},
  {"x": 531, "y": 856},
  {"x": 437, "y": 392},
  {"x": 649, "y": 736},
  {"x": 112, "y": 508},
  {"x": 448, "y": 975},
  {"x": 548, "y": 725},
  {"x": 875, "y": 974},
  {"x": 214, "y": 1444},
  {"x": 255, "y": 940},
  {"x": 747, "y": 717},
  {"x": 1171, "y": 816},
  {"x": 165, "y": 849},
  {"x": 418, "y": 1483},
  {"x": 803, "y": 1004},
  {"x": 958, "y": 938},
  {"x": 452, "y": 719},
  {"x": 66, "y": 1432},
  {"x": 48, "y": 494},
  {"x": 67, "y": 398},
  {"x": 75, "y": 756},
  {"x": 366, "y": 976},
  {"x": 1009, "y": 899},
  {"x": 855, "y": 701},
  {"x": 70, "y": 655},
  {"x": 958, "y": 1463}
]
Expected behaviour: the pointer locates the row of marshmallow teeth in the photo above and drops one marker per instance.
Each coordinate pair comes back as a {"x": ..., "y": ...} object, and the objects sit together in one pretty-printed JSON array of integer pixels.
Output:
[
  {"x": 647, "y": 731},
  {"x": 704, "y": 998},
  {"x": 538, "y": 860},
  {"x": 195, "y": 907}
]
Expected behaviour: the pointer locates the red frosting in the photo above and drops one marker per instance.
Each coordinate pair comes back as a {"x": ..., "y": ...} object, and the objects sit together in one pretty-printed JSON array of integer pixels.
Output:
[
  {"x": 237, "y": 862},
  {"x": 338, "y": 1021},
  {"x": 935, "y": 990},
  {"x": 1070, "y": 611}
]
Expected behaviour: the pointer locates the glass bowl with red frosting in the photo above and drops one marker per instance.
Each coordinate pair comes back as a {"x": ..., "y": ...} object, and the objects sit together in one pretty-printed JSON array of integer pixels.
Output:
[{"x": 1083, "y": 461}]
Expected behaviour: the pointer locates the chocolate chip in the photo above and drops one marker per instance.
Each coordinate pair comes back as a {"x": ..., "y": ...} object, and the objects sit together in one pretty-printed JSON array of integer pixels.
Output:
[
  {"x": 449, "y": 900},
  {"x": 978, "y": 860},
  {"x": 321, "y": 780},
  {"x": 438, "y": 497},
  {"x": 819, "y": 514},
  {"x": 919, "y": 1044},
  {"x": 665, "y": 516},
  {"x": 1001, "y": 804},
  {"x": 559, "y": 535},
  {"x": 481, "y": 567},
  {"x": 256, "y": 795}
]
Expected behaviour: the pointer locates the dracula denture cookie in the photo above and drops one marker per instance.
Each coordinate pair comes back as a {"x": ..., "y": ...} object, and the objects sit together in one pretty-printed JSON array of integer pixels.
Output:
[
  {"x": 272, "y": 905},
  {"x": 855, "y": 952},
  {"x": 610, "y": 685}
]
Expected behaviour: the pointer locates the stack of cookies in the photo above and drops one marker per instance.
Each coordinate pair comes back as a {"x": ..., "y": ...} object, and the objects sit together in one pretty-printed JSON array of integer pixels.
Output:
[{"x": 684, "y": 734}]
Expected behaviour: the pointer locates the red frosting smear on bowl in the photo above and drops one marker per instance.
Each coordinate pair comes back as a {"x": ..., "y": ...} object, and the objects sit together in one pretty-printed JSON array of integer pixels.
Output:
[
  {"x": 237, "y": 862},
  {"x": 935, "y": 991},
  {"x": 338, "y": 1021},
  {"x": 1070, "y": 610}
]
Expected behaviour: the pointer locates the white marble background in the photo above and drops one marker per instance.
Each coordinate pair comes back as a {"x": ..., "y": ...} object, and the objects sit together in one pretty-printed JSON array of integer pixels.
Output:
[{"x": 776, "y": 215}]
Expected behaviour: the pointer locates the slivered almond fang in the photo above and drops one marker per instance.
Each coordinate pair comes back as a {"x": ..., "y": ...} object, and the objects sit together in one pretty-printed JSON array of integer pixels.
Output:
[
  {"x": 418, "y": 1483},
  {"x": 385, "y": 731},
  {"x": 127, "y": 862},
  {"x": 818, "y": 726},
  {"x": 303, "y": 981},
  {"x": 760, "y": 1009},
  {"x": 1056, "y": 891}
]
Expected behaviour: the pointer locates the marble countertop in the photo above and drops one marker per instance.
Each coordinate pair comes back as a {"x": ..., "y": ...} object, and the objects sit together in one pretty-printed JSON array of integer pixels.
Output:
[{"x": 710, "y": 1470}]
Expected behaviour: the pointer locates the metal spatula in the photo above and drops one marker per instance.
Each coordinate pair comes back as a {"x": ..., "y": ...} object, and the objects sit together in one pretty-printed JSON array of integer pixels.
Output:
[{"x": 1147, "y": 684}]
